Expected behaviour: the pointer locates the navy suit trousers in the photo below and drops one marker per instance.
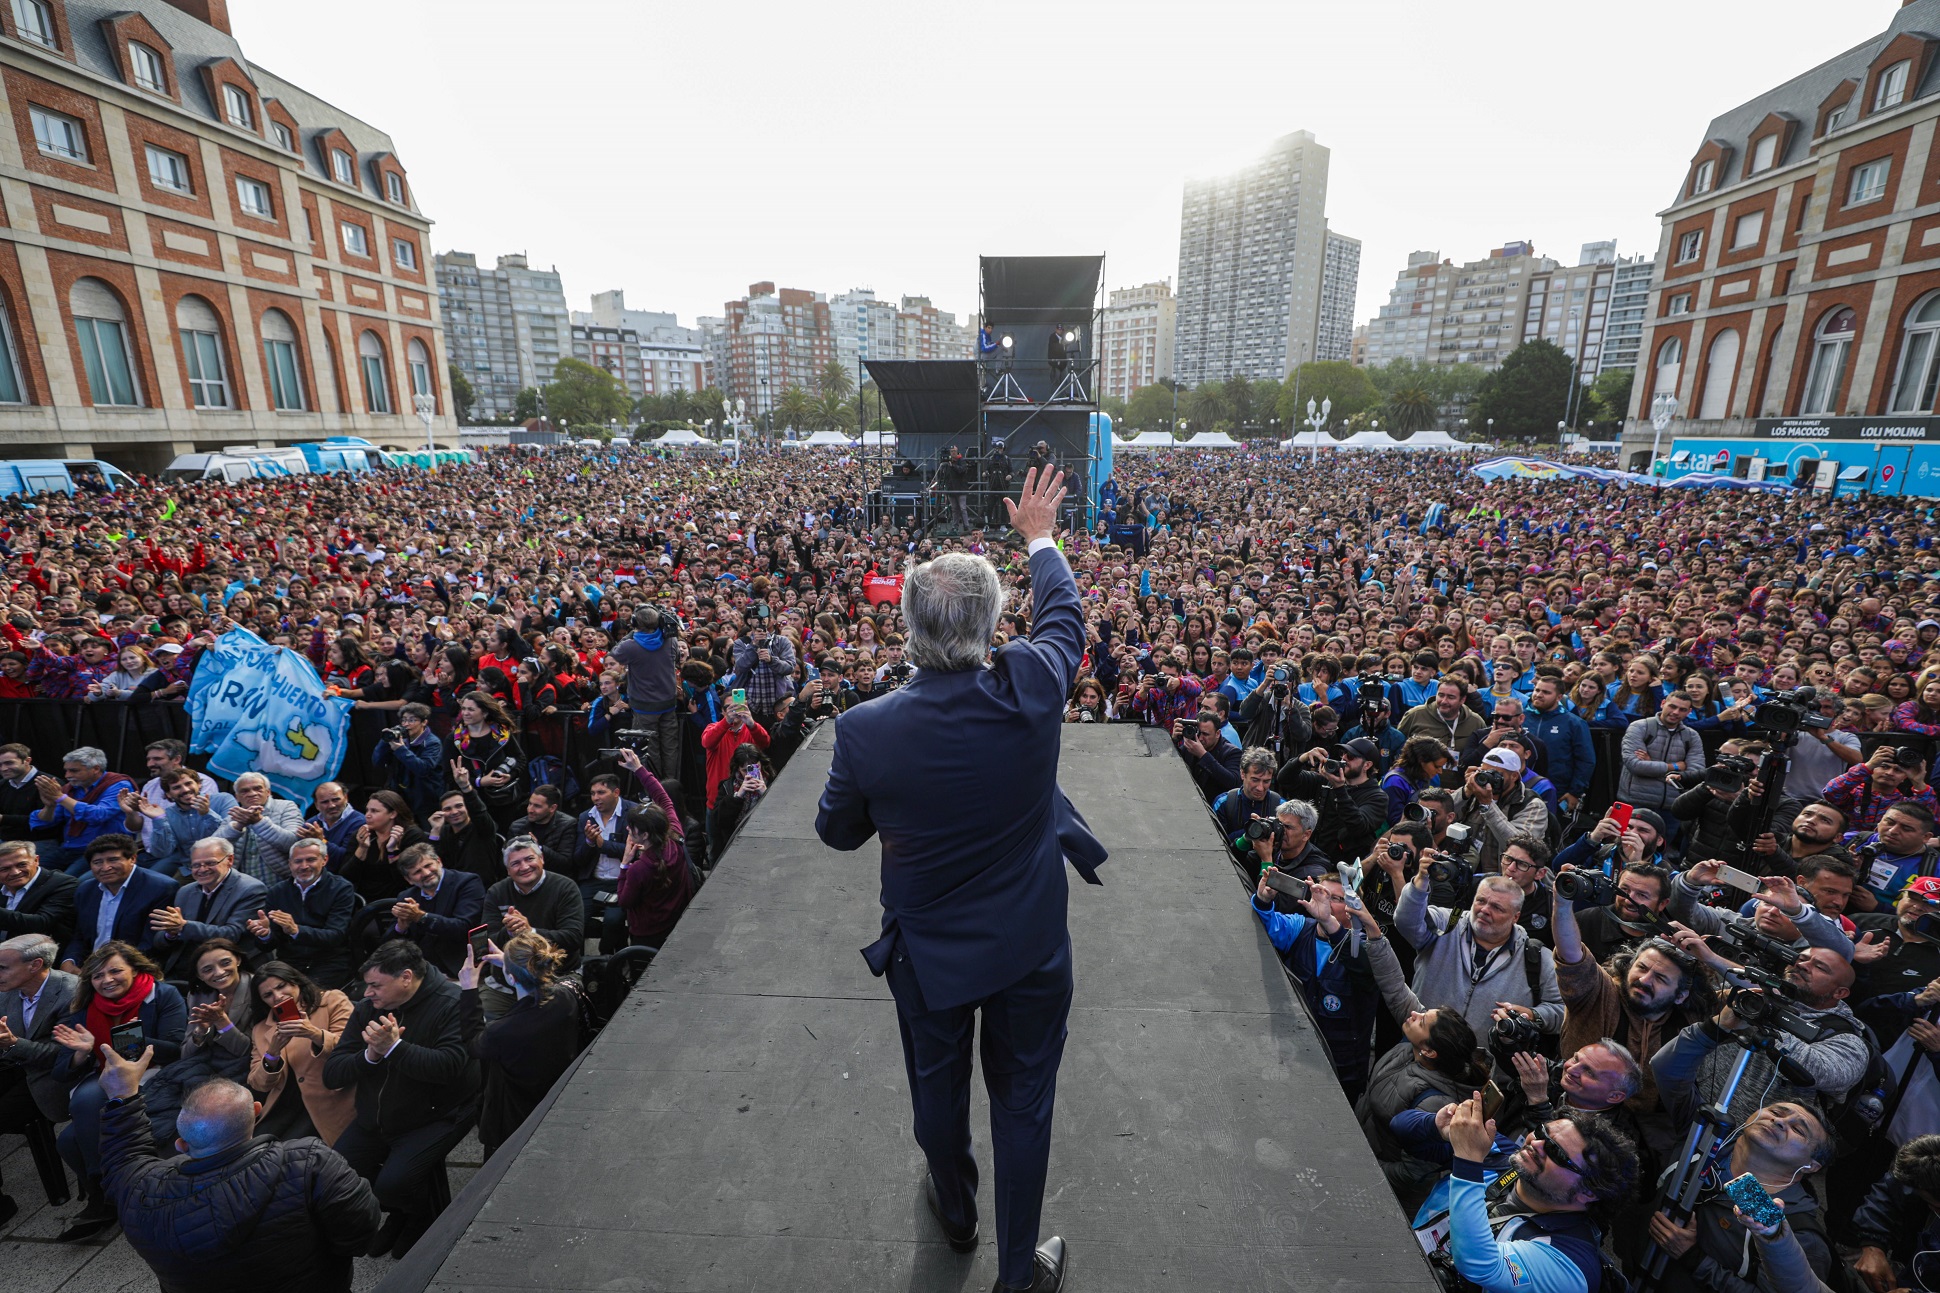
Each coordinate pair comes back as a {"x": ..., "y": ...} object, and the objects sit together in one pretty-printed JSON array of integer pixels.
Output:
[{"x": 1023, "y": 1041}]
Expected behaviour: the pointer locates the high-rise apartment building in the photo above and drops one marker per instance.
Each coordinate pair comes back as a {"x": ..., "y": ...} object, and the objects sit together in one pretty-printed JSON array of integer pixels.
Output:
[
  {"x": 197, "y": 253},
  {"x": 925, "y": 332},
  {"x": 1135, "y": 337},
  {"x": 1629, "y": 308},
  {"x": 1340, "y": 280},
  {"x": 1570, "y": 307},
  {"x": 1483, "y": 318},
  {"x": 773, "y": 340},
  {"x": 667, "y": 356},
  {"x": 1253, "y": 266},
  {"x": 1402, "y": 328},
  {"x": 865, "y": 329},
  {"x": 509, "y": 326}
]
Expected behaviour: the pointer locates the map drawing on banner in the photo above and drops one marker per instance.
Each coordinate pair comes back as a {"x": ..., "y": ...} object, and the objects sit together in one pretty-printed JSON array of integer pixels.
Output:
[{"x": 254, "y": 707}]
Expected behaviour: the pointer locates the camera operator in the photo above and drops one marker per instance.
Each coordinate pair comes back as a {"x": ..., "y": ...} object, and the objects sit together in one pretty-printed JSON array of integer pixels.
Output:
[
  {"x": 1375, "y": 727},
  {"x": 1711, "y": 1250},
  {"x": 1340, "y": 783},
  {"x": 1496, "y": 807},
  {"x": 1314, "y": 943},
  {"x": 1867, "y": 791},
  {"x": 797, "y": 717},
  {"x": 1273, "y": 717},
  {"x": 1901, "y": 847},
  {"x": 415, "y": 760},
  {"x": 1820, "y": 754},
  {"x": 1414, "y": 773},
  {"x": 1213, "y": 761},
  {"x": 1537, "y": 1236},
  {"x": 1480, "y": 959},
  {"x": 1254, "y": 801},
  {"x": 1812, "y": 928},
  {"x": 1815, "y": 831},
  {"x": 1599, "y": 1078},
  {"x": 1655, "y": 749},
  {"x": 1641, "y": 995},
  {"x": 1291, "y": 849},
  {"x": 1639, "y": 906},
  {"x": 1899, "y": 950},
  {"x": 897, "y": 670},
  {"x": 1706, "y": 806},
  {"x": 1435, "y": 809}
]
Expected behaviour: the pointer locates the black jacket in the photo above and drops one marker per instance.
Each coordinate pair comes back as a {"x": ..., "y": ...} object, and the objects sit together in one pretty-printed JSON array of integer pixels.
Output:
[
  {"x": 320, "y": 947},
  {"x": 476, "y": 848},
  {"x": 1351, "y": 817},
  {"x": 558, "y": 838},
  {"x": 267, "y": 1214},
  {"x": 521, "y": 1054},
  {"x": 429, "y": 1075},
  {"x": 555, "y": 909},
  {"x": 15, "y": 806},
  {"x": 46, "y": 908},
  {"x": 1216, "y": 771},
  {"x": 449, "y": 917}
]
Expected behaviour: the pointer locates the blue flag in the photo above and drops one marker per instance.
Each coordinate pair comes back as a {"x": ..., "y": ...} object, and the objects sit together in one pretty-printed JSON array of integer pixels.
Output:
[{"x": 254, "y": 707}]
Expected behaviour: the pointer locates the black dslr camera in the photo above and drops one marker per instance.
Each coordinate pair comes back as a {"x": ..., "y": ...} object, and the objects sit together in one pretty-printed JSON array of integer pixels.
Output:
[
  {"x": 1514, "y": 1034},
  {"x": 1586, "y": 888},
  {"x": 1770, "y": 1002},
  {"x": 1454, "y": 864},
  {"x": 1731, "y": 773},
  {"x": 1261, "y": 828},
  {"x": 1491, "y": 778},
  {"x": 630, "y": 738},
  {"x": 392, "y": 736}
]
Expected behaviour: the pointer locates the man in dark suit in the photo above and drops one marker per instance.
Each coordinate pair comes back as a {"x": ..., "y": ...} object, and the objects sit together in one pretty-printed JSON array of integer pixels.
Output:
[
  {"x": 439, "y": 909},
  {"x": 33, "y": 899},
  {"x": 217, "y": 902},
  {"x": 305, "y": 920},
  {"x": 34, "y": 996},
  {"x": 116, "y": 900},
  {"x": 973, "y": 884}
]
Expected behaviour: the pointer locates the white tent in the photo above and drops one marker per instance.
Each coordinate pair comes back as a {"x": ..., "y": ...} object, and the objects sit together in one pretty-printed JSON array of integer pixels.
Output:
[
  {"x": 1309, "y": 439},
  {"x": 1147, "y": 442},
  {"x": 684, "y": 437},
  {"x": 874, "y": 438},
  {"x": 1211, "y": 440},
  {"x": 828, "y": 439},
  {"x": 1437, "y": 439}
]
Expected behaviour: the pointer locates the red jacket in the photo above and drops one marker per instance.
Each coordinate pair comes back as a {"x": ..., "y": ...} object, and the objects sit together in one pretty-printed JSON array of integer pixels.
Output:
[{"x": 720, "y": 742}]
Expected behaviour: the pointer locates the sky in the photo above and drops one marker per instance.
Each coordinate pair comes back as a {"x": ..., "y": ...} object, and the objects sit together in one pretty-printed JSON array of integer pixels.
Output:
[{"x": 684, "y": 151}]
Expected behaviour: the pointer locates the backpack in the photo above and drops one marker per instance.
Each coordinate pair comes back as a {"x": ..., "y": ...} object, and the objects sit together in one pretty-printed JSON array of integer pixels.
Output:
[{"x": 547, "y": 770}]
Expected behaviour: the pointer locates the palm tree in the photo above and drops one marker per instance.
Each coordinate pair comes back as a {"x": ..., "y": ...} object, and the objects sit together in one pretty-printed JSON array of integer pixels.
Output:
[
  {"x": 1411, "y": 408},
  {"x": 1208, "y": 405},
  {"x": 836, "y": 380},
  {"x": 834, "y": 412},
  {"x": 795, "y": 408}
]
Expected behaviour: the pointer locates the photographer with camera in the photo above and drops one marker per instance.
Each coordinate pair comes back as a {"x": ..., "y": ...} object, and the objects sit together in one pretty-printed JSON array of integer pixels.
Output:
[
  {"x": 1272, "y": 716},
  {"x": 414, "y": 759},
  {"x": 650, "y": 654},
  {"x": 1655, "y": 749},
  {"x": 1315, "y": 944},
  {"x": 1901, "y": 847},
  {"x": 1421, "y": 762},
  {"x": 1290, "y": 847},
  {"x": 1480, "y": 959},
  {"x": 1339, "y": 782},
  {"x": 1867, "y": 791},
  {"x": 764, "y": 666},
  {"x": 1213, "y": 761},
  {"x": 1375, "y": 727},
  {"x": 1705, "y": 806},
  {"x": 1496, "y": 807},
  {"x": 1253, "y": 802},
  {"x": 1638, "y": 900},
  {"x": 1811, "y": 928},
  {"x": 1827, "y": 753}
]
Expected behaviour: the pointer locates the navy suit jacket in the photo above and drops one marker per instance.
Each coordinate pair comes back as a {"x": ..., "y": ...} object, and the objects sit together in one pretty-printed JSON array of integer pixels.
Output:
[
  {"x": 458, "y": 909},
  {"x": 957, "y": 771},
  {"x": 142, "y": 893}
]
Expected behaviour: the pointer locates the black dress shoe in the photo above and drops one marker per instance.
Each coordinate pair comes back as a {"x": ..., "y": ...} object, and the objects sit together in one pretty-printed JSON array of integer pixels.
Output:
[
  {"x": 8, "y": 1209},
  {"x": 961, "y": 1241},
  {"x": 386, "y": 1237},
  {"x": 1047, "y": 1272},
  {"x": 98, "y": 1216}
]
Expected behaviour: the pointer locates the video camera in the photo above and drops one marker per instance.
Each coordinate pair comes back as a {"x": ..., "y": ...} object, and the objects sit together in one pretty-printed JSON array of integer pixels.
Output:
[
  {"x": 1786, "y": 712},
  {"x": 1768, "y": 1003},
  {"x": 629, "y": 738},
  {"x": 1454, "y": 863},
  {"x": 1374, "y": 697},
  {"x": 1730, "y": 773}
]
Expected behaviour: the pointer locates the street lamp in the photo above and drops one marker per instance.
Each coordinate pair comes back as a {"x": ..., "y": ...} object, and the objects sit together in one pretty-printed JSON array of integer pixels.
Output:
[
  {"x": 427, "y": 409},
  {"x": 1182, "y": 428},
  {"x": 1491, "y": 430},
  {"x": 1663, "y": 407},
  {"x": 1317, "y": 420}
]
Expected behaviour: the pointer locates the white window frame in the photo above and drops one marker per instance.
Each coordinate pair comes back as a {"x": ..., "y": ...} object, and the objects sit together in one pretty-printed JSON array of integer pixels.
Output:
[
  {"x": 1836, "y": 118},
  {"x": 1890, "y": 91},
  {"x": 356, "y": 241},
  {"x": 10, "y": 359},
  {"x": 377, "y": 379},
  {"x": 1680, "y": 304},
  {"x": 404, "y": 253},
  {"x": 94, "y": 334},
  {"x": 285, "y": 372},
  {"x": 245, "y": 186},
  {"x": 33, "y": 20},
  {"x": 208, "y": 379},
  {"x": 285, "y": 137},
  {"x": 1740, "y": 240},
  {"x": 420, "y": 370},
  {"x": 393, "y": 188},
  {"x": 48, "y": 123},
  {"x": 237, "y": 110},
  {"x": 1875, "y": 176},
  {"x": 1701, "y": 179},
  {"x": 169, "y": 170},
  {"x": 142, "y": 61},
  {"x": 1764, "y": 153},
  {"x": 1827, "y": 371},
  {"x": 1920, "y": 351},
  {"x": 343, "y": 167},
  {"x": 1692, "y": 239}
]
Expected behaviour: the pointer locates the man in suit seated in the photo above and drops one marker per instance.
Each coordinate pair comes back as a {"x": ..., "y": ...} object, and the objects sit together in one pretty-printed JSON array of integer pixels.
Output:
[
  {"x": 439, "y": 909},
  {"x": 33, "y": 899},
  {"x": 34, "y": 996},
  {"x": 305, "y": 920},
  {"x": 115, "y": 901},
  {"x": 973, "y": 885},
  {"x": 217, "y": 902}
]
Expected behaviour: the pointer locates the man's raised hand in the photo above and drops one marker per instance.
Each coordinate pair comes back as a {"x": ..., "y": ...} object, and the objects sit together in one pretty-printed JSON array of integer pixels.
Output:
[{"x": 1035, "y": 514}]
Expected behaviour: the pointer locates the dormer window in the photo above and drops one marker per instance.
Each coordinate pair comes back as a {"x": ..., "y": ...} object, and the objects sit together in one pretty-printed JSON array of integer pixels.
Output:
[
  {"x": 1701, "y": 181},
  {"x": 343, "y": 166},
  {"x": 1835, "y": 119},
  {"x": 394, "y": 187},
  {"x": 1892, "y": 86},
  {"x": 236, "y": 108},
  {"x": 33, "y": 21},
  {"x": 147, "y": 66},
  {"x": 281, "y": 134},
  {"x": 1764, "y": 153}
]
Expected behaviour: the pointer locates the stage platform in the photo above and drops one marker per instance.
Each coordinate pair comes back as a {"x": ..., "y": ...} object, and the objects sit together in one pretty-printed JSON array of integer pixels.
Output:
[{"x": 744, "y": 1123}]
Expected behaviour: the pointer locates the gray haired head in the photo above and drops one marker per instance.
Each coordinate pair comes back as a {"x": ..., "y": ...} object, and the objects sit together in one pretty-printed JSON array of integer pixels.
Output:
[
  {"x": 1298, "y": 810},
  {"x": 951, "y": 606},
  {"x": 87, "y": 756}
]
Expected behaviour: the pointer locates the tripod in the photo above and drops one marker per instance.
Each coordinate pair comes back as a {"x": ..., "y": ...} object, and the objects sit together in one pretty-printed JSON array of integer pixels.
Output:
[
  {"x": 1711, "y": 1132},
  {"x": 1771, "y": 775}
]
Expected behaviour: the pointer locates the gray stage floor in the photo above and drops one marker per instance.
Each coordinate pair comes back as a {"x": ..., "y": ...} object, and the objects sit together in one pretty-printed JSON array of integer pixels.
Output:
[{"x": 744, "y": 1123}]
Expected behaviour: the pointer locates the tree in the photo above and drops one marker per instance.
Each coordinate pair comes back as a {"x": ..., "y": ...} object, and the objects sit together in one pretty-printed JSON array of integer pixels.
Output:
[
  {"x": 1526, "y": 395},
  {"x": 462, "y": 395},
  {"x": 582, "y": 395},
  {"x": 1610, "y": 394},
  {"x": 1411, "y": 408},
  {"x": 836, "y": 380},
  {"x": 1239, "y": 401},
  {"x": 1350, "y": 389},
  {"x": 525, "y": 405},
  {"x": 834, "y": 412},
  {"x": 1207, "y": 407},
  {"x": 795, "y": 408},
  {"x": 1151, "y": 408}
]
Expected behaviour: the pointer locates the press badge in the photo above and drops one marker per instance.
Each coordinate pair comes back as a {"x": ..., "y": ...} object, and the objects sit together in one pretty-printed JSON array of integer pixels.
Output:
[{"x": 1882, "y": 874}]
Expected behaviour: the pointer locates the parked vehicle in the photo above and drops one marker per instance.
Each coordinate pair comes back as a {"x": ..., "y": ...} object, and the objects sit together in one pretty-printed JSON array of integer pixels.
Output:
[{"x": 60, "y": 475}]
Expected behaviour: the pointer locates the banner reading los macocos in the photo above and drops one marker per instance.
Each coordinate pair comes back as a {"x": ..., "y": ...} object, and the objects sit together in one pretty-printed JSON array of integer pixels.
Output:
[{"x": 254, "y": 707}]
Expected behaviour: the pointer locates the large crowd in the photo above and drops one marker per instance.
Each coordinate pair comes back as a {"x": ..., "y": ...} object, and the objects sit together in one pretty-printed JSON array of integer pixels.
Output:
[{"x": 1555, "y": 808}]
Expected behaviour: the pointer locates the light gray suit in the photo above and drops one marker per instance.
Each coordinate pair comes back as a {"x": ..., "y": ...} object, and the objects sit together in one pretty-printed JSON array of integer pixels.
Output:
[{"x": 36, "y": 1051}]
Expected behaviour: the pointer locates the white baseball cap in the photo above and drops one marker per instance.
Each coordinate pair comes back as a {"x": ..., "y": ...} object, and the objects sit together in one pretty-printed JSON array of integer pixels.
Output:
[{"x": 1507, "y": 760}]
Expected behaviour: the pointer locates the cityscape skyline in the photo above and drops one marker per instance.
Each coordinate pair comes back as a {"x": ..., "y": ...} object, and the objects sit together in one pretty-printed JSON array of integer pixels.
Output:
[{"x": 781, "y": 181}]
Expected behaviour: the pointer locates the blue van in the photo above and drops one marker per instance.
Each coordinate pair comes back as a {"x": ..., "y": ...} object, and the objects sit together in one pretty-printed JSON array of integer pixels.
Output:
[{"x": 60, "y": 475}]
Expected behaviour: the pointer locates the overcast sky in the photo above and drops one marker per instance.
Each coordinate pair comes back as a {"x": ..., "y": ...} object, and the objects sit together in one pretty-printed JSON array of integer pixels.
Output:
[{"x": 684, "y": 150}]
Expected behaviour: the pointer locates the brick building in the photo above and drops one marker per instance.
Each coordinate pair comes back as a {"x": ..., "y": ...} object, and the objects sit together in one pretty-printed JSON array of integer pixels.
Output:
[
  {"x": 196, "y": 253},
  {"x": 1798, "y": 271},
  {"x": 772, "y": 340}
]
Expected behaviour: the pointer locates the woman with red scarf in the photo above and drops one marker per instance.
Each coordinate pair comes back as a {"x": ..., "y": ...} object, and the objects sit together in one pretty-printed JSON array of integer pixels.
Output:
[{"x": 119, "y": 987}]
